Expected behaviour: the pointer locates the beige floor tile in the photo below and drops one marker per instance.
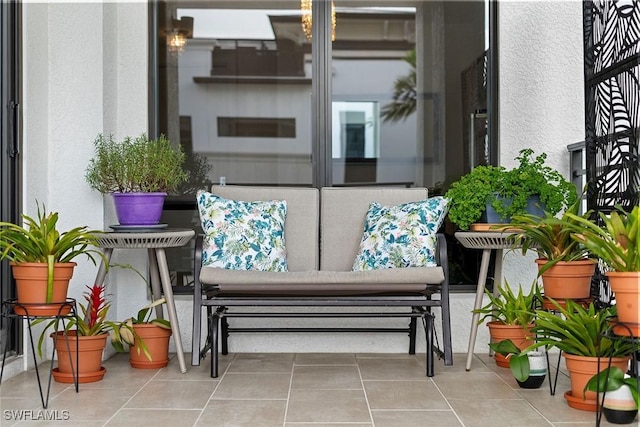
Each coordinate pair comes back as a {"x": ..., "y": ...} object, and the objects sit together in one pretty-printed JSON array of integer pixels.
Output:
[
  {"x": 474, "y": 385},
  {"x": 325, "y": 359},
  {"x": 326, "y": 377},
  {"x": 404, "y": 395},
  {"x": 478, "y": 412},
  {"x": 328, "y": 406},
  {"x": 380, "y": 368},
  {"x": 415, "y": 418},
  {"x": 249, "y": 413},
  {"x": 173, "y": 395},
  {"x": 26, "y": 385},
  {"x": 262, "y": 362},
  {"x": 154, "y": 417},
  {"x": 253, "y": 386},
  {"x": 328, "y": 425},
  {"x": 555, "y": 408},
  {"x": 91, "y": 404}
]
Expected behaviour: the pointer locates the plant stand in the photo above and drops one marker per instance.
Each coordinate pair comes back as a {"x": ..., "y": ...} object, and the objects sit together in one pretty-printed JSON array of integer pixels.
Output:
[
  {"x": 9, "y": 313},
  {"x": 619, "y": 335}
]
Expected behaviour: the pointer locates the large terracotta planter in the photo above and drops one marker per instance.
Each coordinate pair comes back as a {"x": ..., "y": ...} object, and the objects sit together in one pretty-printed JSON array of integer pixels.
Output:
[
  {"x": 157, "y": 341},
  {"x": 89, "y": 363},
  {"x": 625, "y": 286},
  {"x": 31, "y": 287},
  {"x": 567, "y": 280},
  {"x": 520, "y": 336},
  {"x": 581, "y": 369}
]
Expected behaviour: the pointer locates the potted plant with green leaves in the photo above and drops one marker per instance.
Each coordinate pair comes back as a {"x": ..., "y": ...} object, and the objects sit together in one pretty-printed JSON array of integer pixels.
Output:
[
  {"x": 149, "y": 342},
  {"x": 529, "y": 367},
  {"x": 620, "y": 399},
  {"x": 616, "y": 241},
  {"x": 563, "y": 262},
  {"x": 41, "y": 258},
  {"x": 138, "y": 172},
  {"x": 500, "y": 193},
  {"x": 580, "y": 333},
  {"x": 512, "y": 315},
  {"x": 88, "y": 333}
]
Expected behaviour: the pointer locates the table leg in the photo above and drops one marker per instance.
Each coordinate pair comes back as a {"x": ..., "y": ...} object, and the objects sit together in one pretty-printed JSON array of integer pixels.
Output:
[
  {"x": 156, "y": 289},
  {"x": 102, "y": 270},
  {"x": 163, "y": 268},
  {"x": 482, "y": 280}
]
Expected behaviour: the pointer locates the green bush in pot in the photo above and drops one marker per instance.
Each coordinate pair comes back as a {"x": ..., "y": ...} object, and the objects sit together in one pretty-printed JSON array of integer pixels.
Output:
[{"x": 508, "y": 190}]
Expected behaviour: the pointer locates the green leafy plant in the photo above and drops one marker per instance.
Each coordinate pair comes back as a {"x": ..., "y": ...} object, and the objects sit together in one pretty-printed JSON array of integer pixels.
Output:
[
  {"x": 136, "y": 165},
  {"x": 510, "y": 308},
  {"x": 508, "y": 191},
  {"x": 42, "y": 242},
  {"x": 579, "y": 331},
  {"x": 617, "y": 242},
  {"x": 518, "y": 359},
  {"x": 551, "y": 237},
  {"x": 93, "y": 320},
  {"x": 611, "y": 379}
]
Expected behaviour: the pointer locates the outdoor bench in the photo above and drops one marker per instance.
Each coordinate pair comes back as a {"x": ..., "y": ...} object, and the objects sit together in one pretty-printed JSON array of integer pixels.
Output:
[{"x": 323, "y": 231}]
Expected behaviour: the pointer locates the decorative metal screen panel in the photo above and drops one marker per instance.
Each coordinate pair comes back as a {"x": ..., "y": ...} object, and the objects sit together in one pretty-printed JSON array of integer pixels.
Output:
[{"x": 612, "y": 97}]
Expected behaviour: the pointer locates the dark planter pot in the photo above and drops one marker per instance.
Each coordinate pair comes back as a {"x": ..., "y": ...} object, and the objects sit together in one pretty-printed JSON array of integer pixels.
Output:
[
  {"x": 139, "y": 208},
  {"x": 534, "y": 207},
  {"x": 616, "y": 416}
]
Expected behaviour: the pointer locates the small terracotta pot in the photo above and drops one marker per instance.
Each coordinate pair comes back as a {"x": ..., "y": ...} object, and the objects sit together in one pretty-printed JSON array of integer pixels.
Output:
[
  {"x": 567, "y": 280},
  {"x": 520, "y": 336},
  {"x": 156, "y": 339},
  {"x": 90, "y": 350},
  {"x": 31, "y": 288}
]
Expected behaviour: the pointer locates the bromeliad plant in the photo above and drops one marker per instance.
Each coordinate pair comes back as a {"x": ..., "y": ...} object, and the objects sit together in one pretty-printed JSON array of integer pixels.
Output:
[
  {"x": 127, "y": 335},
  {"x": 510, "y": 308},
  {"x": 93, "y": 320}
]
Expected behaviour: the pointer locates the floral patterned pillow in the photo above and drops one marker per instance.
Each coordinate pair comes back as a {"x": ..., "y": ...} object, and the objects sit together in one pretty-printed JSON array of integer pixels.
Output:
[
  {"x": 401, "y": 236},
  {"x": 242, "y": 235}
]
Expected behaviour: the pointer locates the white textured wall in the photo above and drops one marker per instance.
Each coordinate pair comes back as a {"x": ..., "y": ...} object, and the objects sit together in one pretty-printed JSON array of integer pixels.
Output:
[{"x": 85, "y": 72}]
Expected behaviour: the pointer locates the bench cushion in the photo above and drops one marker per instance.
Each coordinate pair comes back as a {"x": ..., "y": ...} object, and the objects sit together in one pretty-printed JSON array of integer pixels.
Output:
[{"x": 356, "y": 282}]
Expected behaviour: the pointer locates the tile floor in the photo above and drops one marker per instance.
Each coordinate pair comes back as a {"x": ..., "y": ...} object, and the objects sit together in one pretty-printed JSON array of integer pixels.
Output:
[{"x": 304, "y": 389}]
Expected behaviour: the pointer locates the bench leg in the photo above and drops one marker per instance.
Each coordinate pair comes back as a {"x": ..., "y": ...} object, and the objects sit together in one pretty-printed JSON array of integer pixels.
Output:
[
  {"x": 412, "y": 332},
  {"x": 214, "y": 321},
  {"x": 429, "y": 350},
  {"x": 224, "y": 332}
]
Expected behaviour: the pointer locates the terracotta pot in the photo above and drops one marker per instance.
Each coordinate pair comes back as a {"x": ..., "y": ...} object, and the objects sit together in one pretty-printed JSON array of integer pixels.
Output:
[
  {"x": 157, "y": 341},
  {"x": 89, "y": 363},
  {"x": 567, "y": 280},
  {"x": 521, "y": 337},
  {"x": 581, "y": 369},
  {"x": 31, "y": 287},
  {"x": 625, "y": 286}
]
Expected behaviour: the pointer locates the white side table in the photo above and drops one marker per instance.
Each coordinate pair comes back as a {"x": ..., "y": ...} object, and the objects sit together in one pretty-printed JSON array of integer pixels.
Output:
[
  {"x": 155, "y": 243},
  {"x": 487, "y": 241}
]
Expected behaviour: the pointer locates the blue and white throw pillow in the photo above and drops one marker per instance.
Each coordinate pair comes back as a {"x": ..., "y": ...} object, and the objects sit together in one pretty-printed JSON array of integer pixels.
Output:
[
  {"x": 401, "y": 236},
  {"x": 242, "y": 235}
]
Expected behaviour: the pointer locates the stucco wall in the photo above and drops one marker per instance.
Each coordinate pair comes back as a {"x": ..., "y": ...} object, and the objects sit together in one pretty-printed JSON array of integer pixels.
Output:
[{"x": 85, "y": 72}]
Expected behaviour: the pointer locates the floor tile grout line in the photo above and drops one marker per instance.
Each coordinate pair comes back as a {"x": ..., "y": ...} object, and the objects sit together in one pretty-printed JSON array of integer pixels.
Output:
[
  {"x": 366, "y": 397},
  {"x": 286, "y": 406},
  {"x": 433, "y": 381},
  {"x": 220, "y": 378}
]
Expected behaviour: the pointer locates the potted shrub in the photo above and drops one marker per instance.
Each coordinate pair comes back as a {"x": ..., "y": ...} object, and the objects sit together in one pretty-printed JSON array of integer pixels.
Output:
[
  {"x": 149, "y": 346},
  {"x": 138, "y": 173},
  {"x": 580, "y": 333},
  {"x": 617, "y": 244},
  {"x": 42, "y": 260},
  {"x": 563, "y": 261},
  {"x": 620, "y": 401},
  {"x": 529, "y": 367},
  {"x": 88, "y": 333},
  {"x": 512, "y": 317},
  {"x": 508, "y": 192}
]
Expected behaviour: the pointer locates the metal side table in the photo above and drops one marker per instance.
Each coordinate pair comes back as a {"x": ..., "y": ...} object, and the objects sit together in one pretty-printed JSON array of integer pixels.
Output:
[
  {"x": 487, "y": 241},
  {"x": 155, "y": 242}
]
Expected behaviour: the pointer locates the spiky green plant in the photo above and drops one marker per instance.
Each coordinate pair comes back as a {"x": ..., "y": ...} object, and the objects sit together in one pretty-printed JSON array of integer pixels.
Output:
[{"x": 508, "y": 307}]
